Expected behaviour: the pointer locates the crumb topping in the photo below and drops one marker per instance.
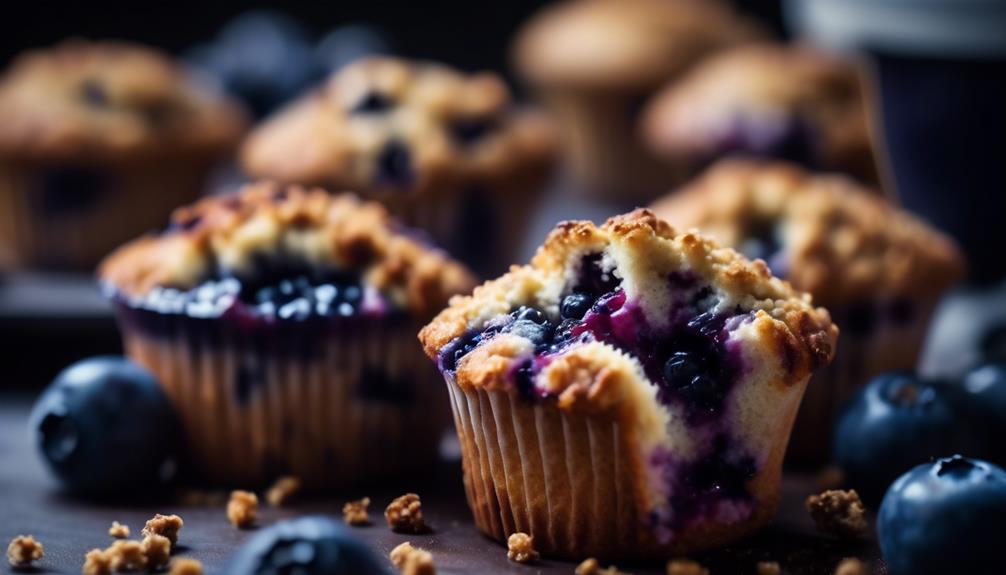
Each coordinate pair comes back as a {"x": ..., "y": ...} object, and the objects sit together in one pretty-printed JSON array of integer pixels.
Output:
[
  {"x": 186, "y": 566},
  {"x": 412, "y": 560},
  {"x": 405, "y": 514},
  {"x": 97, "y": 562},
  {"x": 520, "y": 548},
  {"x": 157, "y": 549},
  {"x": 592, "y": 567},
  {"x": 166, "y": 525},
  {"x": 118, "y": 531},
  {"x": 839, "y": 513},
  {"x": 852, "y": 566},
  {"x": 24, "y": 550},
  {"x": 355, "y": 512},
  {"x": 769, "y": 568},
  {"x": 283, "y": 491},
  {"x": 126, "y": 556},
  {"x": 242, "y": 509},
  {"x": 685, "y": 567}
]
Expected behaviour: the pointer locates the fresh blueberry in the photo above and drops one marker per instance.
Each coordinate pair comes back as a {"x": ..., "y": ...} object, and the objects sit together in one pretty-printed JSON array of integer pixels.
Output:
[
  {"x": 575, "y": 305},
  {"x": 104, "y": 426},
  {"x": 945, "y": 517},
  {"x": 983, "y": 399},
  {"x": 394, "y": 165},
  {"x": 349, "y": 43},
  {"x": 894, "y": 423},
  {"x": 304, "y": 546}
]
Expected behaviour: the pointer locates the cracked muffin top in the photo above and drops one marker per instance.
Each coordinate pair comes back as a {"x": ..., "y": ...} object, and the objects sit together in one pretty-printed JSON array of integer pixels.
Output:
[
  {"x": 83, "y": 100},
  {"x": 387, "y": 125}
]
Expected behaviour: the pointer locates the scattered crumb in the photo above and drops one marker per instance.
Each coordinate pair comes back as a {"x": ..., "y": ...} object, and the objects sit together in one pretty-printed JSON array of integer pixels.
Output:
[
  {"x": 165, "y": 525},
  {"x": 157, "y": 548},
  {"x": 405, "y": 514},
  {"x": 840, "y": 513},
  {"x": 126, "y": 556},
  {"x": 831, "y": 477},
  {"x": 412, "y": 560},
  {"x": 355, "y": 512},
  {"x": 283, "y": 491},
  {"x": 852, "y": 566},
  {"x": 186, "y": 566},
  {"x": 768, "y": 568},
  {"x": 97, "y": 562},
  {"x": 118, "y": 531},
  {"x": 24, "y": 550},
  {"x": 242, "y": 509},
  {"x": 520, "y": 548},
  {"x": 592, "y": 567},
  {"x": 685, "y": 567}
]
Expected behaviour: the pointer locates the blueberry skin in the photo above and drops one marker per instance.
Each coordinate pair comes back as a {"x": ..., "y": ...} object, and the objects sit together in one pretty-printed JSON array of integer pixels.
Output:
[
  {"x": 983, "y": 398},
  {"x": 945, "y": 517},
  {"x": 305, "y": 546},
  {"x": 895, "y": 422},
  {"x": 104, "y": 426}
]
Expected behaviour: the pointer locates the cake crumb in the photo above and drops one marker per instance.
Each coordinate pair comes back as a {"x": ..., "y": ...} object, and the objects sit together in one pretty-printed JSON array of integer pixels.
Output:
[
  {"x": 164, "y": 525},
  {"x": 355, "y": 512},
  {"x": 242, "y": 509},
  {"x": 412, "y": 560},
  {"x": 125, "y": 556},
  {"x": 118, "y": 531},
  {"x": 769, "y": 568},
  {"x": 283, "y": 491},
  {"x": 157, "y": 548},
  {"x": 840, "y": 513},
  {"x": 685, "y": 567},
  {"x": 97, "y": 562},
  {"x": 592, "y": 567},
  {"x": 186, "y": 566},
  {"x": 852, "y": 566},
  {"x": 24, "y": 550},
  {"x": 520, "y": 548},
  {"x": 405, "y": 514}
]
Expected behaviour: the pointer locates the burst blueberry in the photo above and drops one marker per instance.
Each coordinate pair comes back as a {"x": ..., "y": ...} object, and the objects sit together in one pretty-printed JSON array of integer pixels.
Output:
[{"x": 575, "y": 305}]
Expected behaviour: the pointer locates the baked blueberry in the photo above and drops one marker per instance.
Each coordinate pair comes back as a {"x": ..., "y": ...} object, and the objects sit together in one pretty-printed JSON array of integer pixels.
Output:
[
  {"x": 575, "y": 305},
  {"x": 304, "y": 546},
  {"x": 104, "y": 427},
  {"x": 945, "y": 517},
  {"x": 895, "y": 422}
]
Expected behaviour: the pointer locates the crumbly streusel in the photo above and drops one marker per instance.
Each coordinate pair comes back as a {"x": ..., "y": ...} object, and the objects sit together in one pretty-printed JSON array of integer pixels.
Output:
[
  {"x": 852, "y": 566},
  {"x": 126, "y": 556},
  {"x": 242, "y": 509},
  {"x": 118, "y": 531},
  {"x": 157, "y": 548},
  {"x": 283, "y": 491},
  {"x": 520, "y": 548},
  {"x": 839, "y": 513},
  {"x": 412, "y": 560},
  {"x": 185, "y": 566},
  {"x": 24, "y": 550},
  {"x": 166, "y": 525},
  {"x": 355, "y": 512},
  {"x": 97, "y": 562},
  {"x": 685, "y": 567},
  {"x": 592, "y": 567},
  {"x": 405, "y": 514}
]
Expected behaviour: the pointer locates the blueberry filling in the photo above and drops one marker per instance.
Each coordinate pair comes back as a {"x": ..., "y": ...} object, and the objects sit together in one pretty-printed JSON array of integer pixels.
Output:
[
  {"x": 394, "y": 165},
  {"x": 372, "y": 103},
  {"x": 762, "y": 241}
]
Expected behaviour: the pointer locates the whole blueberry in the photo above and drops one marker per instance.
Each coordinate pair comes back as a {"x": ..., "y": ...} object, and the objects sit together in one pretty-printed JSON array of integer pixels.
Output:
[
  {"x": 104, "y": 426},
  {"x": 895, "y": 422},
  {"x": 945, "y": 517},
  {"x": 983, "y": 398},
  {"x": 304, "y": 546},
  {"x": 575, "y": 305}
]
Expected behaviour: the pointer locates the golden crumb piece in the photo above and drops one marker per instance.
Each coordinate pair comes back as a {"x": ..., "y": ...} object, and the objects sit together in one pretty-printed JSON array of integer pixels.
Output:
[
  {"x": 242, "y": 509},
  {"x": 283, "y": 491},
  {"x": 118, "y": 531},
  {"x": 186, "y": 566},
  {"x": 592, "y": 567},
  {"x": 769, "y": 568},
  {"x": 685, "y": 567},
  {"x": 164, "y": 525},
  {"x": 355, "y": 512},
  {"x": 125, "y": 556},
  {"x": 840, "y": 513},
  {"x": 24, "y": 550},
  {"x": 157, "y": 548},
  {"x": 405, "y": 514},
  {"x": 412, "y": 560},
  {"x": 97, "y": 562},
  {"x": 520, "y": 548},
  {"x": 852, "y": 566}
]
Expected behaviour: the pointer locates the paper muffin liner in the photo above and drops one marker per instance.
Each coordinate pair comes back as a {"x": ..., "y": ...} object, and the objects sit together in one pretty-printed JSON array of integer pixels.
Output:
[
  {"x": 333, "y": 406},
  {"x": 50, "y": 218}
]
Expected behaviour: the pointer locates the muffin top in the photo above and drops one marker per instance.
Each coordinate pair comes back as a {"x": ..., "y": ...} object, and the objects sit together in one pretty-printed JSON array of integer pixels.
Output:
[
  {"x": 824, "y": 233},
  {"x": 88, "y": 101},
  {"x": 759, "y": 99},
  {"x": 386, "y": 125},
  {"x": 266, "y": 238},
  {"x": 600, "y": 44}
]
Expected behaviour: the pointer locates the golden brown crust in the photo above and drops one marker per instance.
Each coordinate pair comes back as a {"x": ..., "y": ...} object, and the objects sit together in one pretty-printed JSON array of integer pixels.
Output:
[
  {"x": 319, "y": 140},
  {"x": 843, "y": 243},
  {"x": 110, "y": 101},
  {"x": 324, "y": 229}
]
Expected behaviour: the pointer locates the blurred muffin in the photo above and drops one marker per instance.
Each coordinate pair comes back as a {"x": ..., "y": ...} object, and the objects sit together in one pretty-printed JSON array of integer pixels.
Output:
[
  {"x": 98, "y": 142},
  {"x": 879, "y": 270},
  {"x": 595, "y": 62},
  {"x": 281, "y": 323},
  {"x": 443, "y": 151},
  {"x": 630, "y": 393},
  {"x": 773, "y": 100}
]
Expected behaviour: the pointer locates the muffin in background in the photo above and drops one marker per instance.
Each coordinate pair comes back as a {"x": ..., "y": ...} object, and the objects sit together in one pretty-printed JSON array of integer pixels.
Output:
[
  {"x": 281, "y": 322},
  {"x": 594, "y": 63},
  {"x": 630, "y": 393},
  {"x": 789, "y": 102},
  {"x": 443, "y": 151},
  {"x": 879, "y": 270},
  {"x": 99, "y": 141}
]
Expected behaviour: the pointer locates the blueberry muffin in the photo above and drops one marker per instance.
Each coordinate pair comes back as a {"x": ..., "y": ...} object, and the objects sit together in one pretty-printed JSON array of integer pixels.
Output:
[
  {"x": 596, "y": 62},
  {"x": 879, "y": 270},
  {"x": 444, "y": 151},
  {"x": 629, "y": 393},
  {"x": 98, "y": 142},
  {"x": 281, "y": 323},
  {"x": 770, "y": 100}
]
